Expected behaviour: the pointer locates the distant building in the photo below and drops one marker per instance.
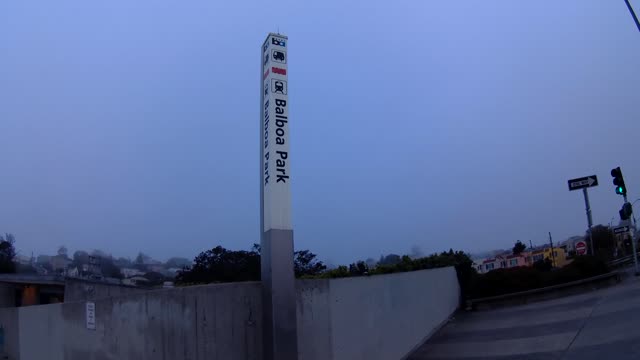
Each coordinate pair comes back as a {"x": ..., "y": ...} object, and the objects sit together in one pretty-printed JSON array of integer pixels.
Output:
[
  {"x": 59, "y": 263},
  {"x": 159, "y": 268},
  {"x": 516, "y": 260},
  {"x": 486, "y": 265},
  {"x": 73, "y": 272},
  {"x": 557, "y": 255},
  {"x": 43, "y": 259},
  {"x": 569, "y": 245},
  {"x": 23, "y": 260},
  {"x": 130, "y": 272}
]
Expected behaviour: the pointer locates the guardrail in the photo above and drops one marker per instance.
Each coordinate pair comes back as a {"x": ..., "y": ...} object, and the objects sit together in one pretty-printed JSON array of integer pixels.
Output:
[
  {"x": 627, "y": 260},
  {"x": 523, "y": 295}
]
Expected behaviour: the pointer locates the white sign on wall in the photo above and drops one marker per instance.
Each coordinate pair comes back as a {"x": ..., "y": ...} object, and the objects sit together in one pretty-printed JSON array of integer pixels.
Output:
[
  {"x": 275, "y": 164},
  {"x": 91, "y": 315}
]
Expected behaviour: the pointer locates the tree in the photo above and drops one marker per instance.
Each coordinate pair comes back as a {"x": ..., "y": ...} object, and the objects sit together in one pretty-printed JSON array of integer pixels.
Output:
[
  {"x": 371, "y": 263},
  {"x": 109, "y": 269},
  {"x": 101, "y": 254},
  {"x": 122, "y": 262},
  {"x": 305, "y": 264},
  {"x": 416, "y": 252},
  {"x": 80, "y": 257},
  {"x": 7, "y": 253},
  {"x": 543, "y": 265},
  {"x": 141, "y": 258},
  {"x": 222, "y": 265},
  {"x": 177, "y": 262},
  {"x": 390, "y": 259},
  {"x": 519, "y": 247},
  {"x": 358, "y": 269},
  {"x": 141, "y": 261},
  {"x": 62, "y": 251},
  {"x": 155, "y": 278}
]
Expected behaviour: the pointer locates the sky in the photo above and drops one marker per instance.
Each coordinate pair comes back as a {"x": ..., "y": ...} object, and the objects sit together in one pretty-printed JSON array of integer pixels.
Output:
[{"x": 132, "y": 126}]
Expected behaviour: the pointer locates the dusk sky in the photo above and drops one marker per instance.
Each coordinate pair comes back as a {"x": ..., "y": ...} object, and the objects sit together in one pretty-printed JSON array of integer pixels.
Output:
[{"x": 132, "y": 126}]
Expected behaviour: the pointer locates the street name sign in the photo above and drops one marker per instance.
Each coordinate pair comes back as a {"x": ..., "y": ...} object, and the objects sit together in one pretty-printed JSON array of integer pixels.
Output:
[
  {"x": 583, "y": 182},
  {"x": 621, "y": 230}
]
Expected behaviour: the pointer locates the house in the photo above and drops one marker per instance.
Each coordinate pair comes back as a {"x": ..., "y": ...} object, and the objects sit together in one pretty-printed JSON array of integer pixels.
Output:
[
  {"x": 131, "y": 272},
  {"x": 557, "y": 256},
  {"x": 23, "y": 260},
  {"x": 516, "y": 260},
  {"x": 73, "y": 272},
  {"x": 59, "y": 262},
  {"x": 159, "y": 268},
  {"x": 486, "y": 265}
]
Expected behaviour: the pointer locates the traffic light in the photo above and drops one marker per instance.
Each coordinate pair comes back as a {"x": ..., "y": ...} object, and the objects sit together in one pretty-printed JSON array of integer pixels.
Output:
[
  {"x": 626, "y": 211},
  {"x": 618, "y": 181}
]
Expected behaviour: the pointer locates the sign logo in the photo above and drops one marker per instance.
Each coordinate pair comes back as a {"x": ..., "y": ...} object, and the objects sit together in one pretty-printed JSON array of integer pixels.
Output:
[
  {"x": 265, "y": 47},
  {"x": 266, "y": 59},
  {"x": 276, "y": 70},
  {"x": 266, "y": 73},
  {"x": 277, "y": 41},
  {"x": 266, "y": 89},
  {"x": 278, "y": 86},
  {"x": 278, "y": 56}
]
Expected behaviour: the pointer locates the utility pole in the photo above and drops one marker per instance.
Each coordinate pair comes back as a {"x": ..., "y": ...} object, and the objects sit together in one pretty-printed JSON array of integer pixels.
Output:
[
  {"x": 633, "y": 14},
  {"x": 553, "y": 256},
  {"x": 530, "y": 244},
  {"x": 587, "y": 206},
  {"x": 633, "y": 240}
]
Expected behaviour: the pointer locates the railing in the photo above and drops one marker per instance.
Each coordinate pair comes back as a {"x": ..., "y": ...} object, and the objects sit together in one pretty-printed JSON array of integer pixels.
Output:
[
  {"x": 471, "y": 303},
  {"x": 623, "y": 261}
]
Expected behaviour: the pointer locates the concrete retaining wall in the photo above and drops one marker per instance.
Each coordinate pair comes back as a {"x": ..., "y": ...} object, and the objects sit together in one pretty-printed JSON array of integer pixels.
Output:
[
  {"x": 82, "y": 290},
  {"x": 200, "y": 322},
  {"x": 9, "y": 328},
  {"x": 379, "y": 317}
]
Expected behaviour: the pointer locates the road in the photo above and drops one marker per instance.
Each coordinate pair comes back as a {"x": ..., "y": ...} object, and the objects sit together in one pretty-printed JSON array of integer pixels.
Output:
[{"x": 603, "y": 324}]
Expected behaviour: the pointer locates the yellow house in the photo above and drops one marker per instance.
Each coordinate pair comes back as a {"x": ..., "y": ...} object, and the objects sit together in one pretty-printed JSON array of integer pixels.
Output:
[{"x": 558, "y": 257}]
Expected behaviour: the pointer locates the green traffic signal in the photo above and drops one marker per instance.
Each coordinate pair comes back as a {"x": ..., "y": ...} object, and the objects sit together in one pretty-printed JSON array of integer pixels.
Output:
[{"x": 618, "y": 181}]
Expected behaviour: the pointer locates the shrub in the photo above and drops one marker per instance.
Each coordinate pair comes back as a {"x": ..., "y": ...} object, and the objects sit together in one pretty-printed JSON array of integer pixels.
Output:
[{"x": 506, "y": 281}]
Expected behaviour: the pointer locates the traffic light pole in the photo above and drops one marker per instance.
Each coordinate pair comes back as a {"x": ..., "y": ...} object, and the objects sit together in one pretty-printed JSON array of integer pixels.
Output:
[
  {"x": 589, "y": 219},
  {"x": 633, "y": 242}
]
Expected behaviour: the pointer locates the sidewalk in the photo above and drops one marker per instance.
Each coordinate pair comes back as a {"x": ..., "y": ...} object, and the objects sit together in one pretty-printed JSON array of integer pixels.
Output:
[{"x": 597, "y": 325}]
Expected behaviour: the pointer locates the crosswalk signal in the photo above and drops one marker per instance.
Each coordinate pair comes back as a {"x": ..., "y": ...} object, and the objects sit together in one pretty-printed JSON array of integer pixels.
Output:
[{"x": 618, "y": 181}]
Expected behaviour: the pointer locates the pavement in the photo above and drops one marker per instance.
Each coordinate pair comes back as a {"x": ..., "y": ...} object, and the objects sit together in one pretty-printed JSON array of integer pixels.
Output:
[{"x": 602, "y": 324}]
